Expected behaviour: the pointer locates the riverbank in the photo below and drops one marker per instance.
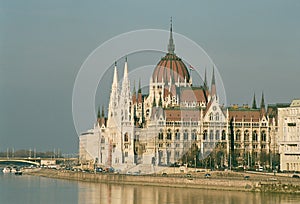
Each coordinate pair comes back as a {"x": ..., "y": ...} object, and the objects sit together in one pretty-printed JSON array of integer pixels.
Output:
[{"x": 218, "y": 180}]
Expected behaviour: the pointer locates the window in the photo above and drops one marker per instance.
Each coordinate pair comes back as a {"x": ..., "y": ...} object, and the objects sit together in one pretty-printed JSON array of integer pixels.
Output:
[
  {"x": 211, "y": 134},
  {"x": 185, "y": 135},
  {"x": 210, "y": 116},
  {"x": 217, "y": 116},
  {"x": 194, "y": 135},
  {"x": 205, "y": 135},
  {"x": 223, "y": 135},
  {"x": 102, "y": 140},
  {"x": 169, "y": 134},
  {"x": 217, "y": 134},
  {"x": 238, "y": 135},
  {"x": 160, "y": 135},
  {"x": 177, "y": 135},
  {"x": 254, "y": 136},
  {"x": 246, "y": 135},
  {"x": 263, "y": 136},
  {"x": 126, "y": 137},
  {"x": 126, "y": 154}
]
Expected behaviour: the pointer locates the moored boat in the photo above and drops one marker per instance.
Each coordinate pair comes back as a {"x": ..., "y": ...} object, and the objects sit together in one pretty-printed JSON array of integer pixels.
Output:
[
  {"x": 18, "y": 173},
  {"x": 6, "y": 170}
]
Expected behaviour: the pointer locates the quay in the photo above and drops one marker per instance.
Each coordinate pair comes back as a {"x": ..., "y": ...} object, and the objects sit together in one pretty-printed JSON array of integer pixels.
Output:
[{"x": 232, "y": 181}]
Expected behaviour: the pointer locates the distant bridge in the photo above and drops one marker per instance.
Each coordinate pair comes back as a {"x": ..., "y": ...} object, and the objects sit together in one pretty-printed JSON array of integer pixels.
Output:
[
  {"x": 33, "y": 161},
  {"x": 18, "y": 161}
]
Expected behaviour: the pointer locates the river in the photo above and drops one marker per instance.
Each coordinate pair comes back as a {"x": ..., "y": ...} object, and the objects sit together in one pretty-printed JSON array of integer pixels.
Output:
[{"x": 32, "y": 189}]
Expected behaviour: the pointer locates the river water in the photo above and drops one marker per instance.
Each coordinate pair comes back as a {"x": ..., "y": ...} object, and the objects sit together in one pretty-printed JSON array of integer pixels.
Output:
[{"x": 31, "y": 189}]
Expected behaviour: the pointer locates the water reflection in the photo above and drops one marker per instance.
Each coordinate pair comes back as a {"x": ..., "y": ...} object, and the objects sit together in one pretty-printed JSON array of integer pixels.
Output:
[{"x": 129, "y": 194}]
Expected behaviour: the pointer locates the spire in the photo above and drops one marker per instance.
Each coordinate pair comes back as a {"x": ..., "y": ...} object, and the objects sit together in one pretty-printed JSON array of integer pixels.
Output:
[
  {"x": 140, "y": 90},
  {"x": 134, "y": 91},
  {"x": 171, "y": 46},
  {"x": 98, "y": 114},
  {"x": 254, "y": 102},
  {"x": 205, "y": 80},
  {"x": 262, "y": 103},
  {"x": 125, "y": 69},
  {"x": 160, "y": 100},
  {"x": 115, "y": 80},
  {"x": 154, "y": 101},
  {"x": 102, "y": 114},
  {"x": 213, "y": 84}
]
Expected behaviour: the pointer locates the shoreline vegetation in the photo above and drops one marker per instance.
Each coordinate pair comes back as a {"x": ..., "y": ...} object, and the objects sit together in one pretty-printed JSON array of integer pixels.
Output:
[{"x": 232, "y": 181}]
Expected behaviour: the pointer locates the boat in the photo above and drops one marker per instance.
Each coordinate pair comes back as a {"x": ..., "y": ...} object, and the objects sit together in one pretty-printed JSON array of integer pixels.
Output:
[
  {"x": 18, "y": 173},
  {"x": 6, "y": 170}
]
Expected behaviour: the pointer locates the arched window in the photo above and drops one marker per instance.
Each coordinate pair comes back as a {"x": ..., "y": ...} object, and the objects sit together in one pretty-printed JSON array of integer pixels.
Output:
[
  {"x": 246, "y": 135},
  {"x": 254, "y": 136},
  {"x": 194, "y": 135},
  {"x": 102, "y": 140},
  {"x": 211, "y": 135},
  {"x": 205, "y": 135},
  {"x": 210, "y": 116},
  {"x": 160, "y": 135},
  {"x": 177, "y": 135},
  {"x": 223, "y": 135},
  {"x": 185, "y": 135},
  {"x": 217, "y": 116},
  {"x": 217, "y": 134},
  {"x": 263, "y": 136},
  {"x": 169, "y": 134},
  {"x": 126, "y": 137}
]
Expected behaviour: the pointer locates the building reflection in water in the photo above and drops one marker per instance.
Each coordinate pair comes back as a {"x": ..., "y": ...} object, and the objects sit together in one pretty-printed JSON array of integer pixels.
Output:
[{"x": 132, "y": 194}]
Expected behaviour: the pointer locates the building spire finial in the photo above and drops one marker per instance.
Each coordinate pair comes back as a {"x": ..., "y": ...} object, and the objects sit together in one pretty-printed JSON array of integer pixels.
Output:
[
  {"x": 262, "y": 103},
  {"x": 205, "y": 80},
  {"x": 254, "y": 102},
  {"x": 171, "y": 46},
  {"x": 213, "y": 84}
]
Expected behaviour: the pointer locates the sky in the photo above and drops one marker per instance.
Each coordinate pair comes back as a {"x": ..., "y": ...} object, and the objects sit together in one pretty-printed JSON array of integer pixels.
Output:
[{"x": 254, "y": 44}]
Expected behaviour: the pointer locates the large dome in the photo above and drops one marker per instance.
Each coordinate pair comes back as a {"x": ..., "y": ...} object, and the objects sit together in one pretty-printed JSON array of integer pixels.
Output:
[{"x": 171, "y": 67}]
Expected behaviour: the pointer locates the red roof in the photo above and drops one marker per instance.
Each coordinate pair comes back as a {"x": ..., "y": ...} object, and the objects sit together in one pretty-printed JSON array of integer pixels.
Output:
[{"x": 170, "y": 66}]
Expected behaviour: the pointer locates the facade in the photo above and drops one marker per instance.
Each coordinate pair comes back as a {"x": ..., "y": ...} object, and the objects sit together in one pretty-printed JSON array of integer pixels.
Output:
[
  {"x": 289, "y": 136},
  {"x": 176, "y": 123}
]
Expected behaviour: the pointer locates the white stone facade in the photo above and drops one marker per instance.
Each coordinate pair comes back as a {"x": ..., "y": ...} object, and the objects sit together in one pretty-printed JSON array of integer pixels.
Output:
[{"x": 289, "y": 136}]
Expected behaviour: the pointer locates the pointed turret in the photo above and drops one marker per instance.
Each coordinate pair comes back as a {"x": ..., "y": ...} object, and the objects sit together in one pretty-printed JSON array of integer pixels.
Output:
[
  {"x": 134, "y": 94},
  {"x": 213, "y": 84},
  {"x": 205, "y": 81},
  {"x": 160, "y": 100},
  {"x": 125, "y": 95},
  {"x": 262, "y": 103},
  {"x": 102, "y": 113},
  {"x": 115, "y": 79},
  {"x": 125, "y": 70},
  {"x": 98, "y": 114},
  {"x": 102, "y": 120},
  {"x": 154, "y": 101},
  {"x": 140, "y": 89},
  {"x": 171, "y": 46},
  {"x": 140, "y": 97},
  {"x": 114, "y": 100},
  {"x": 254, "y": 102}
]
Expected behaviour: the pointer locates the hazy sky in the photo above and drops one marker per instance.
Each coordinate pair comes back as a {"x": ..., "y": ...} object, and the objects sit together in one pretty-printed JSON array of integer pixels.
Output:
[{"x": 255, "y": 45}]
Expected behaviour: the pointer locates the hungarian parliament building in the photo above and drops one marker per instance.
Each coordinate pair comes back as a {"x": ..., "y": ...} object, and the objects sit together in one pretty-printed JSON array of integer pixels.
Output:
[{"x": 177, "y": 123}]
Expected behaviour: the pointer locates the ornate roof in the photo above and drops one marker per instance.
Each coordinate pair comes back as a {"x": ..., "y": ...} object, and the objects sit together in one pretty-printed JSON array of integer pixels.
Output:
[{"x": 171, "y": 67}]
